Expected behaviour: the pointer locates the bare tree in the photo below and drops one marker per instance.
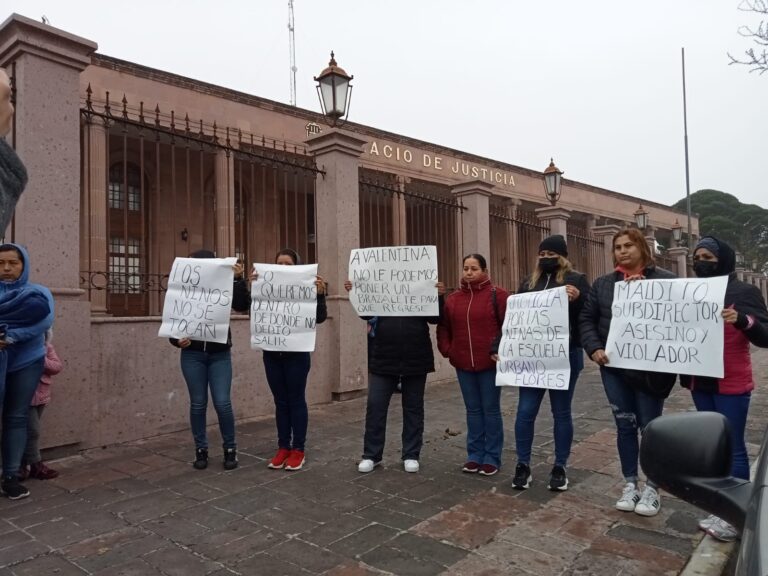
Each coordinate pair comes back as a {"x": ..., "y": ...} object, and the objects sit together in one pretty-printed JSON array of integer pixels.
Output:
[{"x": 756, "y": 60}]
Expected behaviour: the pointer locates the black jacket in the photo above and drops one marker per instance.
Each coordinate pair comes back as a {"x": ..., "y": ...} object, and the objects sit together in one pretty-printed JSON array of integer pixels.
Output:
[
  {"x": 241, "y": 302},
  {"x": 595, "y": 317},
  {"x": 574, "y": 278},
  {"x": 401, "y": 345}
]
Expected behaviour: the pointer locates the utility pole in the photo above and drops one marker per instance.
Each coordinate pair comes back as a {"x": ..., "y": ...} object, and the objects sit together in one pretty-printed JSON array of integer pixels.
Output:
[
  {"x": 687, "y": 176},
  {"x": 292, "y": 51}
]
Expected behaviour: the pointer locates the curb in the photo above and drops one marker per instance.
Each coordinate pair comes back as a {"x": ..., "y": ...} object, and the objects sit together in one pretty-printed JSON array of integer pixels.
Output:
[{"x": 710, "y": 557}]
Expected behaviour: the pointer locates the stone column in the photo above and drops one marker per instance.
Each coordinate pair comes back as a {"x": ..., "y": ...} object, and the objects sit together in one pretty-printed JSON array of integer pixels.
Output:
[
  {"x": 475, "y": 223},
  {"x": 764, "y": 287},
  {"x": 680, "y": 254},
  {"x": 337, "y": 197},
  {"x": 511, "y": 207},
  {"x": 556, "y": 217},
  {"x": 224, "y": 169},
  {"x": 650, "y": 239},
  {"x": 46, "y": 65},
  {"x": 606, "y": 233}
]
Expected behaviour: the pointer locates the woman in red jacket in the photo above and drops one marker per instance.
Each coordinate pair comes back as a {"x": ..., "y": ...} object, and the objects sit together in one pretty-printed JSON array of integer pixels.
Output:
[
  {"x": 745, "y": 321},
  {"x": 471, "y": 321}
]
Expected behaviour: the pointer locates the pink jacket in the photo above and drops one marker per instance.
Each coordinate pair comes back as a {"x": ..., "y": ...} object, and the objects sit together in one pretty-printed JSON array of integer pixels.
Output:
[{"x": 53, "y": 366}]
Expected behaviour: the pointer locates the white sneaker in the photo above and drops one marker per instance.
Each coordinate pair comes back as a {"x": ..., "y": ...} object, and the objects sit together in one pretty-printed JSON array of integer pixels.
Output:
[
  {"x": 707, "y": 522},
  {"x": 367, "y": 465},
  {"x": 650, "y": 502},
  {"x": 411, "y": 465},
  {"x": 629, "y": 498},
  {"x": 721, "y": 530}
]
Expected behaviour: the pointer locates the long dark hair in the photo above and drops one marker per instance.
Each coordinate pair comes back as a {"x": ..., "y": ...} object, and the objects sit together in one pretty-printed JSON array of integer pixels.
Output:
[{"x": 292, "y": 254}]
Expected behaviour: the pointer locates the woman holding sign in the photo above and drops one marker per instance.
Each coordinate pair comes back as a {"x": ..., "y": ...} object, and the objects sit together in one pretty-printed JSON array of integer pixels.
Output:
[
  {"x": 287, "y": 374},
  {"x": 636, "y": 397},
  {"x": 745, "y": 321},
  {"x": 209, "y": 364},
  {"x": 552, "y": 270},
  {"x": 471, "y": 323}
]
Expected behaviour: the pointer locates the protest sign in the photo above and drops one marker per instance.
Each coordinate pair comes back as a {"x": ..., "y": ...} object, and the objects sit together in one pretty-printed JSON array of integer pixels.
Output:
[
  {"x": 534, "y": 348},
  {"x": 394, "y": 281},
  {"x": 672, "y": 326},
  {"x": 199, "y": 299},
  {"x": 284, "y": 308}
]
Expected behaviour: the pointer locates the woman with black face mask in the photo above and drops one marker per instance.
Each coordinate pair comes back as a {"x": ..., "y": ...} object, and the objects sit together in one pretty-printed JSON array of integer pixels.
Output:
[
  {"x": 552, "y": 270},
  {"x": 745, "y": 321}
]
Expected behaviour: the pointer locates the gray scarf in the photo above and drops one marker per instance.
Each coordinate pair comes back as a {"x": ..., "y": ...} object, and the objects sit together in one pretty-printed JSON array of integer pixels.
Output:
[{"x": 13, "y": 179}]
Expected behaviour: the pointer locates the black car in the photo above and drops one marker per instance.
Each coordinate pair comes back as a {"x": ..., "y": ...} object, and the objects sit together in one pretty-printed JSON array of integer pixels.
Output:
[{"x": 689, "y": 455}]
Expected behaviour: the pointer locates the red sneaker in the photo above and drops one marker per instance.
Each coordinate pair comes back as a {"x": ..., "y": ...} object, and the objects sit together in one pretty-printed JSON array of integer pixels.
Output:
[
  {"x": 488, "y": 470},
  {"x": 295, "y": 460},
  {"x": 23, "y": 473},
  {"x": 42, "y": 472},
  {"x": 279, "y": 460},
  {"x": 470, "y": 467}
]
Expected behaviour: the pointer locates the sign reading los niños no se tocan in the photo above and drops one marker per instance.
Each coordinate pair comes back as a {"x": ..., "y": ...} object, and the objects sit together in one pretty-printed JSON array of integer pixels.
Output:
[{"x": 438, "y": 163}]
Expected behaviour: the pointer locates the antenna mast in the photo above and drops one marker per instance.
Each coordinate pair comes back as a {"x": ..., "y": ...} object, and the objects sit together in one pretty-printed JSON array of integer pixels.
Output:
[{"x": 292, "y": 51}]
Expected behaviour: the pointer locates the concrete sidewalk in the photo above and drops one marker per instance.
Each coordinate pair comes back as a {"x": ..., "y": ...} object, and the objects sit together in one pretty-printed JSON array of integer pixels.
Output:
[{"x": 140, "y": 508}]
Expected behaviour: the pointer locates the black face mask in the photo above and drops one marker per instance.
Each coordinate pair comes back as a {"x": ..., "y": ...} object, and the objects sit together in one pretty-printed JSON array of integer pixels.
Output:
[
  {"x": 705, "y": 269},
  {"x": 549, "y": 265}
]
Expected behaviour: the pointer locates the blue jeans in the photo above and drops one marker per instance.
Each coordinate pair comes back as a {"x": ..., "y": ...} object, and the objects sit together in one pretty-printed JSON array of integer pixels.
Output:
[
  {"x": 201, "y": 370},
  {"x": 560, "y": 402},
  {"x": 734, "y": 408},
  {"x": 485, "y": 429},
  {"x": 287, "y": 378},
  {"x": 20, "y": 386},
  {"x": 632, "y": 411}
]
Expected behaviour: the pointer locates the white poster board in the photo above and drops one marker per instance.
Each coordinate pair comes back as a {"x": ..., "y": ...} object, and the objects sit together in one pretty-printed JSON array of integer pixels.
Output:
[
  {"x": 535, "y": 341},
  {"x": 198, "y": 301},
  {"x": 284, "y": 308},
  {"x": 394, "y": 281},
  {"x": 672, "y": 326}
]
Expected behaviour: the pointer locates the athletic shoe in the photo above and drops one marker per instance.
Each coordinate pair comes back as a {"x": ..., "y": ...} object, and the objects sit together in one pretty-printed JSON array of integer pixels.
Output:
[
  {"x": 13, "y": 489},
  {"x": 295, "y": 461},
  {"x": 488, "y": 470},
  {"x": 367, "y": 465},
  {"x": 411, "y": 465},
  {"x": 201, "y": 459},
  {"x": 42, "y": 472},
  {"x": 470, "y": 467},
  {"x": 557, "y": 479},
  {"x": 649, "y": 503},
  {"x": 522, "y": 479},
  {"x": 707, "y": 522},
  {"x": 721, "y": 530},
  {"x": 629, "y": 498},
  {"x": 279, "y": 459},
  {"x": 230, "y": 459}
]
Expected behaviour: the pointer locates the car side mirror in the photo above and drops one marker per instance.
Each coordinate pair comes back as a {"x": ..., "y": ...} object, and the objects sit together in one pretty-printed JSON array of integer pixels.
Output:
[{"x": 688, "y": 454}]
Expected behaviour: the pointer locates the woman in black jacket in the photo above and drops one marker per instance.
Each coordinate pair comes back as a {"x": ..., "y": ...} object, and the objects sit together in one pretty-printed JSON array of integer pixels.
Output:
[
  {"x": 632, "y": 406},
  {"x": 209, "y": 364},
  {"x": 552, "y": 270},
  {"x": 400, "y": 351}
]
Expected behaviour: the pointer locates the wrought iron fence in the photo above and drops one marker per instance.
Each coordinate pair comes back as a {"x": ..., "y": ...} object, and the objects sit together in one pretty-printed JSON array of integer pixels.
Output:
[
  {"x": 515, "y": 238},
  {"x": 586, "y": 252},
  {"x": 156, "y": 186}
]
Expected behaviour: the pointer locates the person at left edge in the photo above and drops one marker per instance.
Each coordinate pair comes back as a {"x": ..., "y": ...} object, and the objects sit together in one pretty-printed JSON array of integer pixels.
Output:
[
  {"x": 26, "y": 313},
  {"x": 209, "y": 364},
  {"x": 287, "y": 374}
]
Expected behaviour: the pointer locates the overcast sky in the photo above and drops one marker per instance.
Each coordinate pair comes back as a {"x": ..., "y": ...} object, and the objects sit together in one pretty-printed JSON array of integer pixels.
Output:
[{"x": 594, "y": 83}]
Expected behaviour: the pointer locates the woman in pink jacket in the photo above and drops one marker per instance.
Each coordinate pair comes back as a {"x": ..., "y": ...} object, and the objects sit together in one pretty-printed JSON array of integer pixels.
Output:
[{"x": 32, "y": 464}]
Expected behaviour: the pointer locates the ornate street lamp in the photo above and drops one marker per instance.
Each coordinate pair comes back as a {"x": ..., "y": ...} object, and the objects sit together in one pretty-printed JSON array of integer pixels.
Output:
[
  {"x": 552, "y": 180},
  {"x": 335, "y": 93},
  {"x": 641, "y": 217},
  {"x": 677, "y": 232}
]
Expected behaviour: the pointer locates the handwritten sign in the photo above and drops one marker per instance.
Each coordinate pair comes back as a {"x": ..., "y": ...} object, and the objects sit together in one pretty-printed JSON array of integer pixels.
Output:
[
  {"x": 394, "y": 281},
  {"x": 672, "y": 326},
  {"x": 199, "y": 299},
  {"x": 534, "y": 348},
  {"x": 284, "y": 308}
]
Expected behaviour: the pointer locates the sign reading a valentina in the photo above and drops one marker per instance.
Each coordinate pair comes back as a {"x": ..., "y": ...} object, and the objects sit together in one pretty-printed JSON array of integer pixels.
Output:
[
  {"x": 394, "y": 281},
  {"x": 535, "y": 341},
  {"x": 672, "y": 326},
  {"x": 199, "y": 299},
  {"x": 284, "y": 308}
]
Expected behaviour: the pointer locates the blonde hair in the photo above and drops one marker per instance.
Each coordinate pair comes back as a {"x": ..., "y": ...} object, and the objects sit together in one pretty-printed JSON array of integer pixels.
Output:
[{"x": 565, "y": 267}]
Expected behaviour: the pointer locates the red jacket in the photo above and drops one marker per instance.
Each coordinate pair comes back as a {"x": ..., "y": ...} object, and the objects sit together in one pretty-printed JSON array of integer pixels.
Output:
[{"x": 469, "y": 325}]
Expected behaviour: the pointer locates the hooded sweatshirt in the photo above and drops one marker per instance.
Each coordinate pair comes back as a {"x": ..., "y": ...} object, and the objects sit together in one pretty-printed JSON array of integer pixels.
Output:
[
  {"x": 13, "y": 179},
  {"x": 751, "y": 327},
  {"x": 25, "y": 335}
]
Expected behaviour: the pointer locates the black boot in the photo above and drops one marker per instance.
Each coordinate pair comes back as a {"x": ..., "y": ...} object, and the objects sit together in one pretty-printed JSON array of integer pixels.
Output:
[
  {"x": 201, "y": 459},
  {"x": 230, "y": 458}
]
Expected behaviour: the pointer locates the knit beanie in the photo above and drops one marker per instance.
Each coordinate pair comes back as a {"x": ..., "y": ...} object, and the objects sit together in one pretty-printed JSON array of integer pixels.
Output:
[
  {"x": 555, "y": 244},
  {"x": 710, "y": 244}
]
